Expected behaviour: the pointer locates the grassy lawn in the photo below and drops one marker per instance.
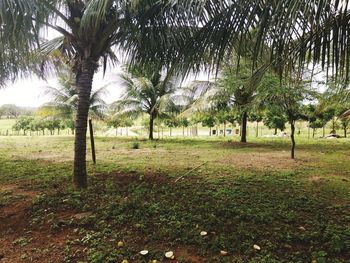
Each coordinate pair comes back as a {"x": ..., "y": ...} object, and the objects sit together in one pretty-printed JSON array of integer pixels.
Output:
[{"x": 241, "y": 195}]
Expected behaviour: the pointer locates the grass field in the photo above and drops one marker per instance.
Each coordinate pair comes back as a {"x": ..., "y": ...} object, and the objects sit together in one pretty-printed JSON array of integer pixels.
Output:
[{"x": 241, "y": 195}]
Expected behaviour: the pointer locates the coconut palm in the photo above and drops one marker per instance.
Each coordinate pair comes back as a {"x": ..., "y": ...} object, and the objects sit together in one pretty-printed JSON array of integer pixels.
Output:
[
  {"x": 88, "y": 32},
  {"x": 146, "y": 92},
  {"x": 65, "y": 97}
]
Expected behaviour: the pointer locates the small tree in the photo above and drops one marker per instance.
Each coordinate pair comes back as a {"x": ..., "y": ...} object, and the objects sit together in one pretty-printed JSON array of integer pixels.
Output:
[
  {"x": 208, "y": 120},
  {"x": 257, "y": 117},
  {"x": 184, "y": 123},
  {"x": 288, "y": 98},
  {"x": 275, "y": 118},
  {"x": 23, "y": 123},
  {"x": 171, "y": 122}
]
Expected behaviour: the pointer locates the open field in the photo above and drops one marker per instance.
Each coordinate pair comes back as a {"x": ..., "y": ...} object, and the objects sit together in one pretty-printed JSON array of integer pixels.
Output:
[
  {"x": 241, "y": 195},
  {"x": 101, "y": 129}
]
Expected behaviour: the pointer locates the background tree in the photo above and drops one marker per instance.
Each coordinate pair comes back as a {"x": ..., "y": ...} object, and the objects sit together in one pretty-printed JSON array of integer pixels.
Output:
[
  {"x": 146, "y": 92},
  {"x": 288, "y": 96},
  {"x": 208, "y": 120},
  {"x": 275, "y": 118}
]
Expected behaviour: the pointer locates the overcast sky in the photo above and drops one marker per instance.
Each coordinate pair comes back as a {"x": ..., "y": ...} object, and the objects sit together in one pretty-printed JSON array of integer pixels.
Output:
[{"x": 30, "y": 92}]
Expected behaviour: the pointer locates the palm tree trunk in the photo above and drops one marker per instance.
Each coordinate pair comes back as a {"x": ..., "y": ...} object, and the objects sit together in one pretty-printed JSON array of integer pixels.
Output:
[
  {"x": 151, "y": 121},
  {"x": 84, "y": 84},
  {"x": 292, "y": 139},
  {"x": 345, "y": 131},
  {"x": 244, "y": 127}
]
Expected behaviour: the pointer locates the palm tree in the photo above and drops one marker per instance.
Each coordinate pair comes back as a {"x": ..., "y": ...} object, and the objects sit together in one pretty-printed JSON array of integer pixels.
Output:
[
  {"x": 88, "y": 33},
  {"x": 65, "y": 97},
  {"x": 146, "y": 92}
]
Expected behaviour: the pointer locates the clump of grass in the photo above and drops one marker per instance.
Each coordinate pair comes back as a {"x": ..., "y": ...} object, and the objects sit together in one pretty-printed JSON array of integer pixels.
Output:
[{"x": 135, "y": 145}]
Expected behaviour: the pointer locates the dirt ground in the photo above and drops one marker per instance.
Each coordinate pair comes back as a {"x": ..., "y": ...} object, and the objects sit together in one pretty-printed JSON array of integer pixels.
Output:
[
  {"x": 20, "y": 239},
  {"x": 273, "y": 160}
]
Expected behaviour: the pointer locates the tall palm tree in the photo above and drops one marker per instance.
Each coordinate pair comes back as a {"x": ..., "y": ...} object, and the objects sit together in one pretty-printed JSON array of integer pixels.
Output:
[
  {"x": 146, "y": 92},
  {"x": 89, "y": 31}
]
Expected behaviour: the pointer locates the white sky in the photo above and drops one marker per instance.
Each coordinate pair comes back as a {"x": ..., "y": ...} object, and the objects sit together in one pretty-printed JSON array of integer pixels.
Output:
[{"x": 29, "y": 92}]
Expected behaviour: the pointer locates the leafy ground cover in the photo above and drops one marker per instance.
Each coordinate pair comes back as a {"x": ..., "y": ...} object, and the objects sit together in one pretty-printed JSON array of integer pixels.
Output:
[{"x": 241, "y": 195}]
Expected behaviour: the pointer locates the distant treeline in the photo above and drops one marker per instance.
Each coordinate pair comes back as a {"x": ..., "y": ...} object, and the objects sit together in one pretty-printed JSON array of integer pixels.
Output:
[{"x": 11, "y": 111}]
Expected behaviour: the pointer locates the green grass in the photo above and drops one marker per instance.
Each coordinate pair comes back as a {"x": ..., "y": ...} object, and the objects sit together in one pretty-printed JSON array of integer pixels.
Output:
[
  {"x": 6, "y": 124},
  {"x": 294, "y": 212}
]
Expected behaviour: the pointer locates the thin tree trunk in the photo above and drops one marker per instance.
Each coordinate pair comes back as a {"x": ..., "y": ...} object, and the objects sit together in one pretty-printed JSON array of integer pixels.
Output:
[
  {"x": 292, "y": 139},
  {"x": 170, "y": 131},
  {"x": 257, "y": 129},
  {"x": 324, "y": 131},
  {"x": 209, "y": 131},
  {"x": 84, "y": 84},
  {"x": 183, "y": 131},
  {"x": 345, "y": 132},
  {"x": 127, "y": 131},
  {"x": 244, "y": 127},
  {"x": 275, "y": 131},
  {"x": 224, "y": 128},
  {"x": 313, "y": 133},
  {"x": 151, "y": 126},
  {"x": 92, "y": 139}
]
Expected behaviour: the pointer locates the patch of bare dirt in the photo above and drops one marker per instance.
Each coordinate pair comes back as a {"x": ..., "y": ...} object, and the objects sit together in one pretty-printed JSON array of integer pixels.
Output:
[
  {"x": 21, "y": 241},
  {"x": 46, "y": 156},
  {"x": 274, "y": 160},
  {"x": 315, "y": 179}
]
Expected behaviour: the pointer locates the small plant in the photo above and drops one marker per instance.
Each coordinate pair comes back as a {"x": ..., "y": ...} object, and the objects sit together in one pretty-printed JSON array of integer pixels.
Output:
[
  {"x": 22, "y": 241},
  {"x": 135, "y": 145}
]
